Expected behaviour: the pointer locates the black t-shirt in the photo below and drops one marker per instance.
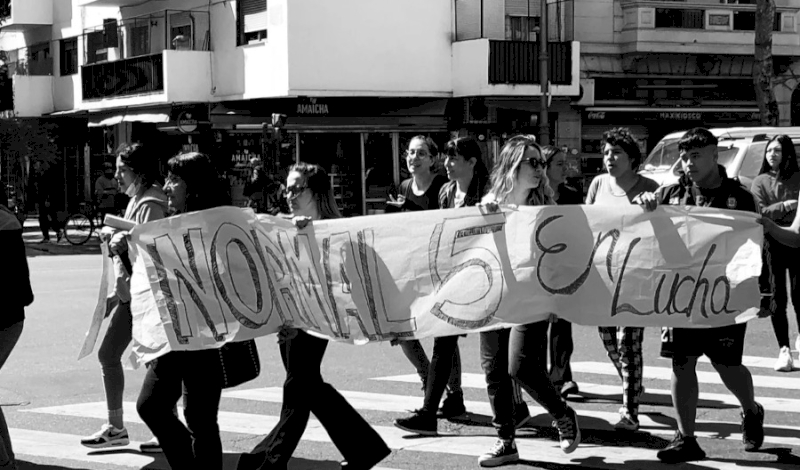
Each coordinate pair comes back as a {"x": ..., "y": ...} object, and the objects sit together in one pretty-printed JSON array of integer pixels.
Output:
[
  {"x": 728, "y": 195},
  {"x": 568, "y": 195},
  {"x": 427, "y": 201}
]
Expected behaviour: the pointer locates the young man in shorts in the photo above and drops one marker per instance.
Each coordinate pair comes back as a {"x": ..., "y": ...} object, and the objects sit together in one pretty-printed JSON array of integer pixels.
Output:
[{"x": 705, "y": 183}]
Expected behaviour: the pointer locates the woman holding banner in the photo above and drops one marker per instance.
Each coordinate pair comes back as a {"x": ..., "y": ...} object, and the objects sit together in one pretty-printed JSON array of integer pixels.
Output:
[
  {"x": 137, "y": 174},
  {"x": 560, "y": 334},
  {"x": 468, "y": 178},
  {"x": 310, "y": 197},
  {"x": 621, "y": 185},
  {"x": 519, "y": 178},
  {"x": 776, "y": 190},
  {"x": 421, "y": 193},
  {"x": 192, "y": 185}
]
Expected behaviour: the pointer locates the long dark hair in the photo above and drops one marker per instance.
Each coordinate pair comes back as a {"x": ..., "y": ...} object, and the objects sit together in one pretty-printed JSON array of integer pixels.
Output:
[
  {"x": 468, "y": 148},
  {"x": 788, "y": 165},
  {"x": 204, "y": 188},
  {"x": 318, "y": 182}
]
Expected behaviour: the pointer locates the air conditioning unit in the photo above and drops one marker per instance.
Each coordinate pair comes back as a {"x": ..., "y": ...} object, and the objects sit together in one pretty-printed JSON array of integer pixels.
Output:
[{"x": 586, "y": 98}]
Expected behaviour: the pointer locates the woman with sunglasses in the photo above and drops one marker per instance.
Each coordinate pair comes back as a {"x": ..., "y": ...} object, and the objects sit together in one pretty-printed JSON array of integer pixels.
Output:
[
  {"x": 560, "y": 334},
  {"x": 621, "y": 185},
  {"x": 519, "y": 178},
  {"x": 310, "y": 196},
  {"x": 421, "y": 193}
]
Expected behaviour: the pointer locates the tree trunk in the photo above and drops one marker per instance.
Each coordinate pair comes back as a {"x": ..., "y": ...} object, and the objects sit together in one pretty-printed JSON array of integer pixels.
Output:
[{"x": 762, "y": 67}]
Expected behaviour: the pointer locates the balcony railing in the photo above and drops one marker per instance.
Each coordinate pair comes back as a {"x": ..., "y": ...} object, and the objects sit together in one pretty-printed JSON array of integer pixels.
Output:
[
  {"x": 138, "y": 75},
  {"x": 34, "y": 60},
  {"x": 146, "y": 35},
  {"x": 517, "y": 62}
]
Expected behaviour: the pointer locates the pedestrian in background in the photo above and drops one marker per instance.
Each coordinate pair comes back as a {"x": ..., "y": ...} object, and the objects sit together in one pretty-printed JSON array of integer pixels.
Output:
[
  {"x": 559, "y": 336},
  {"x": 44, "y": 192},
  {"x": 621, "y": 185},
  {"x": 106, "y": 189},
  {"x": 16, "y": 292},
  {"x": 776, "y": 191},
  {"x": 138, "y": 174},
  {"x": 519, "y": 178},
  {"x": 192, "y": 185}
]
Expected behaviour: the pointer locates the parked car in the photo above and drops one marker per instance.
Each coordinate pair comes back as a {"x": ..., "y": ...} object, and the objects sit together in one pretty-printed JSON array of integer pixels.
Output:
[{"x": 741, "y": 151}]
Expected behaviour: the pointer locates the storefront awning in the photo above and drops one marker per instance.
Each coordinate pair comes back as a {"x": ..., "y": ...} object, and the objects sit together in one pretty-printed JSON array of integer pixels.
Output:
[
  {"x": 105, "y": 120},
  {"x": 655, "y": 109}
]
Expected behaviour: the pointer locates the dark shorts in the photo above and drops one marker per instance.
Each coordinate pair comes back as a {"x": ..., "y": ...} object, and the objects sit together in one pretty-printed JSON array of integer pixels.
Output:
[{"x": 723, "y": 345}]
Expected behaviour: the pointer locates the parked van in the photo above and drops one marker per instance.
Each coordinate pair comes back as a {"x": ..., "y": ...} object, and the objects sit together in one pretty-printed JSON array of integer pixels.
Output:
[{"x": 741, "y": 152}]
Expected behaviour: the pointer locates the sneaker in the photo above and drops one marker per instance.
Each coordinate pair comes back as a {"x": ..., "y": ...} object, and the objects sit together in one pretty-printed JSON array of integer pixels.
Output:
[
  {"x": 627, "y": 423},
  {"x": 108, "y": 436},
  {"x": 150, "y": 447},
  {"x": 797, "y": 343},
  {"x": 452, "y": 406},
  {"x": 785, "y": 363},
  {"x": 681, "y": 449},
  {"x": 503, "y": 451},
  {"x": 419, "y": 422},
  {"x": 569, "y": 433},
  {"x": 569, "y": 388},
  {"x": 521, "y": 418},
  {"x": 753, "y": 429}
]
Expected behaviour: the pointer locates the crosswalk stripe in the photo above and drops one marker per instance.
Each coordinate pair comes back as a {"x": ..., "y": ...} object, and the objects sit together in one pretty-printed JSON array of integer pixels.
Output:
[
  {"x": 653, "y": 396},
  {"x": 261, "y": 424},
  {"x": 464, "y": 445},
  {"x": 28, "y": 443},
  {"x": 404, "y": 403},
  {"x": 665, "y": 373}
]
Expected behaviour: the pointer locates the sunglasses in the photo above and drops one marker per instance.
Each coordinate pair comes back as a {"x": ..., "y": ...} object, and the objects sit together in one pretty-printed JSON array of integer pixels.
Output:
[
  {"x": 295, "y": 191},
  {"x": 534, "y": 162}
]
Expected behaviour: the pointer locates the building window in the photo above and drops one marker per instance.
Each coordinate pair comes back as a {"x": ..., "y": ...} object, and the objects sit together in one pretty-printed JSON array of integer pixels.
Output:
[
  {"x": 68, "y": 52},
  {"x": 251, "y": 21},
  {"x": 746, "y": 21},
  {"x": 675, "y": 18},
  {"x": 522, "y": 28}
]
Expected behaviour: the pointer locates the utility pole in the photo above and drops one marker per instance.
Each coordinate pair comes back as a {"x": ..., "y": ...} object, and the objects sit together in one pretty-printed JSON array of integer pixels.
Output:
[{"x": 544, "y": 125}]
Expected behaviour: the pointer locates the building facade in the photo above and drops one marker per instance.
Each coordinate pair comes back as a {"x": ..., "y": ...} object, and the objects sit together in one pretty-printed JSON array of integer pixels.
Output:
[{"x": 356, "y": 79}]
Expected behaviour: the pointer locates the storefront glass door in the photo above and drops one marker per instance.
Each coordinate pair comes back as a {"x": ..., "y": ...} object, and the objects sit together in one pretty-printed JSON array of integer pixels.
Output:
[
  {"x": 340, "y": 155},
  {"x": 378, "y": 170}
]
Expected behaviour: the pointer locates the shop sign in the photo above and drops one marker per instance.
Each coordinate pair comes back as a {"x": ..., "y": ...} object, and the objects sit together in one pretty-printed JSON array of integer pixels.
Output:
[
  {"x": 680, "y": 116},
  {"x": 186, "y": 123},
  {"x": 312, "y": 108},
  {"x": 596, "y": 115}
]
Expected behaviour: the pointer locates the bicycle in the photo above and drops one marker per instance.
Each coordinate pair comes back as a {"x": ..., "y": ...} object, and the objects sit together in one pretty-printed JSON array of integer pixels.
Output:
[{"x": 79, "y": 226}]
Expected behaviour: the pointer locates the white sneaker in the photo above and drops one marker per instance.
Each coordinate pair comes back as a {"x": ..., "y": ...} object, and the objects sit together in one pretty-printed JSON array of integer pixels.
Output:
[
  {"x": 797, "y": 344},
  {"x": 107, "y": 436},
  {"x": 785, "y": 363},
  {"x": 501, "y": 453},
  {"x": 150, "y": 447}
]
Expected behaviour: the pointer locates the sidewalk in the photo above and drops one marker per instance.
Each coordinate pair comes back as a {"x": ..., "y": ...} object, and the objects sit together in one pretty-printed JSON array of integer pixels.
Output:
[{"x": 32, "y": 237}]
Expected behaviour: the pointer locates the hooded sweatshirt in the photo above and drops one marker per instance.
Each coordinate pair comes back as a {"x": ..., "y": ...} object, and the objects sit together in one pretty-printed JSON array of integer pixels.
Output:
[
  {"x": 142, "y": 208},
  {"x": 15, "y": 282}
]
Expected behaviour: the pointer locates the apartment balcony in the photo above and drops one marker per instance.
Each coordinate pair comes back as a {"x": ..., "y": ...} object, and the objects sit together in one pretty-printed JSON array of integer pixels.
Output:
[
  {"x": 703, "y": 27},
  {"x": 488, "y": 67},
  {"x": 108, "y": 3},
  {"x": 26, "y": 81},
  {"x": 159, "y": 58},
  {"x": 18, "y": 15}
]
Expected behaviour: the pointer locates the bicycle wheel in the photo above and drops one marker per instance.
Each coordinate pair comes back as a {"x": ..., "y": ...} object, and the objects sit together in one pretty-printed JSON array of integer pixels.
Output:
[{"x": 78, "y": 229}]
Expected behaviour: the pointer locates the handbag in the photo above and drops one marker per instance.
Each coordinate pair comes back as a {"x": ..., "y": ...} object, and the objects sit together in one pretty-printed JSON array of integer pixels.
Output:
[{"x": 240, "y": 363}]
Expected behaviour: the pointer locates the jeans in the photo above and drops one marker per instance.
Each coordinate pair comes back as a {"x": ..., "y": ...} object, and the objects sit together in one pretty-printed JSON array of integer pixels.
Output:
[
  {"x": 443, "y": 358},
  {"x": 197, "y": 375},
  {"x": 527, "y": 344},
  {"x": 115, "y": 341},
  {"x": 416, "y": 355},
  {"x": 305, "y": 392},
  {"x": 8, "y": 339},
  {"x": 561, "y": 348},
  {"x": 494, "y": 361}
]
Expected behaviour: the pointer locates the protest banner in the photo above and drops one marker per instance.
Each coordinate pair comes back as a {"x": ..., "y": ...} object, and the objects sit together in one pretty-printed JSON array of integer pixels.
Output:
[{"x": 226, "y": 274}]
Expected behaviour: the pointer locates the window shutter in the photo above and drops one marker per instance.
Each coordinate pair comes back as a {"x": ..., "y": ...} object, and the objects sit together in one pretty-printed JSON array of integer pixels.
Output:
[{"x": 254, "y": 15}]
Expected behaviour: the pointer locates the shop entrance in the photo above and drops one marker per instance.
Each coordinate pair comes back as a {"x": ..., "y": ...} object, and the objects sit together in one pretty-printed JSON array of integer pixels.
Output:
[{"x": 340, "y": 155}]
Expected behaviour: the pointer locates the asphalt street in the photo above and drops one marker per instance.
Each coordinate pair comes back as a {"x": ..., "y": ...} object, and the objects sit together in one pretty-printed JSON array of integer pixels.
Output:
[{"x": 50, "y": 399}]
